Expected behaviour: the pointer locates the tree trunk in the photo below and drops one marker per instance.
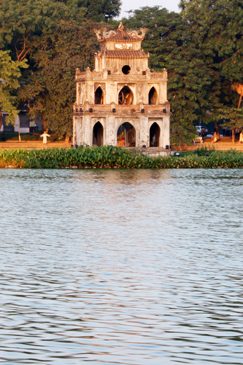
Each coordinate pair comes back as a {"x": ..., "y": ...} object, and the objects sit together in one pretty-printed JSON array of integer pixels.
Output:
[
  {"x": 217, "y": 130},
  {"x": 19, "y": 129},
  {"x": 1, "y": 119},
  {"x": 42, "y": 123},
  {"x": 233, "y": 131},
  {"x": 239, "y": 104}
]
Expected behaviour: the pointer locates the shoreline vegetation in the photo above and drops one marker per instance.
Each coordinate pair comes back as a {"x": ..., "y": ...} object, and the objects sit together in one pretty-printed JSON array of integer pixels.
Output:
[{"x": 108, "y": 157}]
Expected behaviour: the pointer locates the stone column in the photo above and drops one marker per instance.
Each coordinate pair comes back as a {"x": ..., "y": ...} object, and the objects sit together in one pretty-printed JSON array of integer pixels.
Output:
[
  {"x": 110, "y": 132},
  {"x": 79, "y": 93},
  {"x": 74, "y": 131},
  {"x": 78, "y": 131},
  {"x": 89, "y": 92},
  {"x": 111, "y": 93},
  {"x": 166, "y": 131},
  {"x": 144, "y": 132},
  {"x": 87, "y": 130},
  {"x": 162, "y": 92}
]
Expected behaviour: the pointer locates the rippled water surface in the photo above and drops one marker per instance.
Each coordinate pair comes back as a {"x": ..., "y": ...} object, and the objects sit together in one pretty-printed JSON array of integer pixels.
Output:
[{"x": 121, "y": 267}]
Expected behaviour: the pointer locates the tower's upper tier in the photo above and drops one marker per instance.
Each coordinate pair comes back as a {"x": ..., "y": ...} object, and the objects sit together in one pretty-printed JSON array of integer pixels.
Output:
[
  {"x": 116, "y": 42},
  {"x": 121, "y": 47}
]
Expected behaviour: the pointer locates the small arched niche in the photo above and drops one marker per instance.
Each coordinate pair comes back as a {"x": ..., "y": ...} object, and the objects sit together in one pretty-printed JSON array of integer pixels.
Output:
[
  {"x": 153, "y": 96},
  {"x": 125, "y": 96},
  {"x": 126, "y": 135},
  {"x": 154, "y": 135},
  {"x": 99, "y": 97},
  {"x": 98, "y": 134}
]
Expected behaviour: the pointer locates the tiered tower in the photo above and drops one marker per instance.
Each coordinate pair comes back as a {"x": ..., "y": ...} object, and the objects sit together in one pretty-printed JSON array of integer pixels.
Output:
[{"x": 121, "y": 102}]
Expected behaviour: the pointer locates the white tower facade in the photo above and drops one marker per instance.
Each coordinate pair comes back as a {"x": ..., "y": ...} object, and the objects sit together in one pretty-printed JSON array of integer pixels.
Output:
[{"x": 121, "y": 102}]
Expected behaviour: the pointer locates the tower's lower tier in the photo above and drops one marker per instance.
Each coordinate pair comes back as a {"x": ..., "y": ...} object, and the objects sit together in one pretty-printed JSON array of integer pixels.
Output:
[{"x": 141, "y": 131}]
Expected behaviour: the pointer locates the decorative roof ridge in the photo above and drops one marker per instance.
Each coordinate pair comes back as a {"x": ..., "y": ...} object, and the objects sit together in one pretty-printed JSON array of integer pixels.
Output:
[
  {"x": 120, "y": 33},
  {"x": 125, "y": 53}
]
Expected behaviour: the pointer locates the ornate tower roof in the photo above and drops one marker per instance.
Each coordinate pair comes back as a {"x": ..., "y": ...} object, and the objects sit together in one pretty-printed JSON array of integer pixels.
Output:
[
  {"x": 121, "y": 43},
  {"x": 120, "y": 34}
]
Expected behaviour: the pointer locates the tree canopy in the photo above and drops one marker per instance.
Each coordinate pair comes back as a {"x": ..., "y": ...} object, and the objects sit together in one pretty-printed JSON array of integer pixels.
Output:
[
  {"x": 169, "y": 44},
  {"x": 50, "y": 90},
  {"x": 56, "y": 37},
  {"x": 201, "y": 47},
  {"x": 10, "y": 72},
  {"x": 216, "y": 30},
  {"x": 22, "y": 22}
]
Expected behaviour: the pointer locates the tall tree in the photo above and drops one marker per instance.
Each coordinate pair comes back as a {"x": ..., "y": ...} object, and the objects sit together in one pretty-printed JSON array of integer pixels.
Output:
[
  {"x": 50, "y": 92},
  {"x": 216, "y": 30},
  {"x": 22, "y": 21},
  {"x": 168, "y": 41},
  {"x": 99, "y": 10},
  {"x": 9, "y": 75},
  {"x": 203, "y": 52}
]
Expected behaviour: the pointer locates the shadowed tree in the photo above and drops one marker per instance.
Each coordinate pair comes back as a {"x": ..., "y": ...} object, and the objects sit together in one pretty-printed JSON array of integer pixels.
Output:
[
  {"x": 99, "y": 10},
  {"x": 21, "y": 21},
  {"x": 9, "y": 75},
  {"x": 56, "y": 37},
  {"x": 216, "y": 31},
  {"x": 50, "y": 92},
  {"x": 169, "y": 43}
]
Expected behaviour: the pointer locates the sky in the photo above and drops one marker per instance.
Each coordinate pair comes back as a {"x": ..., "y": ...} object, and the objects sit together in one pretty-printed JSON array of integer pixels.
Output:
[{"x": 171, "y": 5}]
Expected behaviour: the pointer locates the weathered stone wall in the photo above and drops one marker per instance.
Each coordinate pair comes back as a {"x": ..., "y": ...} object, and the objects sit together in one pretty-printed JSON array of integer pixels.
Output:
[
  {"x": 88, "y": 82},
  {"x": 83, "y": 129}
]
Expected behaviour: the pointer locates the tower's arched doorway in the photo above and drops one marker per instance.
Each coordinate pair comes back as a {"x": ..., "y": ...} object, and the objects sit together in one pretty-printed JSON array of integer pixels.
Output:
[
  {"x": 126, "y": 135},
  {"x": 98, "y": 134},
  {"x": 99, "y": 97},
  {"x": 154, "y": 135},
  {"x": 125, "y": 96},
  {"x": 153, "y": 96}
]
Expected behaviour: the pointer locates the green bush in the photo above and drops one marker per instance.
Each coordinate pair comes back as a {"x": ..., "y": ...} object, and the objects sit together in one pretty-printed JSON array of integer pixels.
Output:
[{"x": 115, "y": 157}]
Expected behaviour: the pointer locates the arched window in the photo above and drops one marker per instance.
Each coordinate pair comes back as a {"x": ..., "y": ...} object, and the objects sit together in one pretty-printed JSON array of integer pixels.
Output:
[
  {"x": 152, "y": 96},
  {"x": 154, "y": 135},
  {"x": 125, "y": 96},
  {"x": 99, "y": 99},
  {"x": 98, "y": 134},
  {"x": 126, "y": 135}
]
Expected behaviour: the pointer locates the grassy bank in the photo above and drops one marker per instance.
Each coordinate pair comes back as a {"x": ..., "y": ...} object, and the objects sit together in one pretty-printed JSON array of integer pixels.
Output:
[
  {"x": 116, "y": 157},
  {"x": 29, "y": 137}
]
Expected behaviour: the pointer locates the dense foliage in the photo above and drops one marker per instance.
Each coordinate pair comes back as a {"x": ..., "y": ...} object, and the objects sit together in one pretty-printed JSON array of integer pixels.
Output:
[
  {"x": 10, "y": 72},
  {"x": 24, "y": 22},
  {"x": 55, "y": 37},
  {"x": 168, "y": 41},
  {"x": 201, "y": 47},
  {"x": 116, "y": 157},
  {"x": 216, "y": 30},
  {"x": 51, "y": 88}
]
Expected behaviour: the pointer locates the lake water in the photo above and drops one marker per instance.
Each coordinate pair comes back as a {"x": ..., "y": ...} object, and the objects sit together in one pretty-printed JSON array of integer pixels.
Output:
[{"x": 121, "y": 267}]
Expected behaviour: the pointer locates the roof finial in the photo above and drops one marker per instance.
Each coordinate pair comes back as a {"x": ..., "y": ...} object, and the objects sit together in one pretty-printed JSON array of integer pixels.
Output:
[{"x": 121, "y": 27}]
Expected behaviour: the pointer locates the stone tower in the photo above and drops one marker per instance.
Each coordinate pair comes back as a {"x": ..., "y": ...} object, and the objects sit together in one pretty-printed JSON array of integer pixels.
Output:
[{"x": 121, "y": 102}]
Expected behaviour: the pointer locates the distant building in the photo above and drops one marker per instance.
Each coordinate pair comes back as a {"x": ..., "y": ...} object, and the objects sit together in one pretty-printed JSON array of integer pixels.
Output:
[
  {"x": 26, "y": 126},
  {"x": 122, "y": 102}
]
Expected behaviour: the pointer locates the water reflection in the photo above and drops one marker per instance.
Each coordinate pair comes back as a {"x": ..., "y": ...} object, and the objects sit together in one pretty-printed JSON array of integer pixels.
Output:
[{"x": 121, "y": 267}]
